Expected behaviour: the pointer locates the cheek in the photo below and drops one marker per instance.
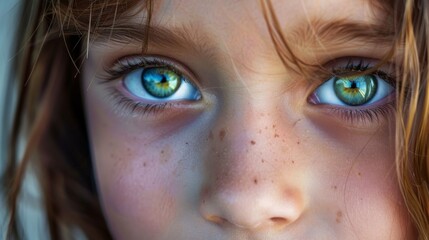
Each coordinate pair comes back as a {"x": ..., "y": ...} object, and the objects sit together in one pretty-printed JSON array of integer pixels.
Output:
[
  {"x": 137, "y": 186},
  {"x": 354, "y": 183},
  {"x": 373, "y": 206},
  {"x": 137, "y": 171}
]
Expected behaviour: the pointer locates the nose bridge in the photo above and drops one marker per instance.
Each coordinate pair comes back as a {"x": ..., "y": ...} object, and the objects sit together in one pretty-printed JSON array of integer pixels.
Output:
[
  {"x": 245, "y": 186},
  {"x": 243, "y": 145}
]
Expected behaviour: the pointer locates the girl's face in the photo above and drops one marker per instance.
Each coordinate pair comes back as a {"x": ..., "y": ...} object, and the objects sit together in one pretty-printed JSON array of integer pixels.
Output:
[{"x": 210, "y": 135}]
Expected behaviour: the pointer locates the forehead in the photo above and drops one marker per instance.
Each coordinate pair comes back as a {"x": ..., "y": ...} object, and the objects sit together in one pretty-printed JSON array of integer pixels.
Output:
[
  {"x": 314, "y": 29},
  {"x": 238, "y": 13}
]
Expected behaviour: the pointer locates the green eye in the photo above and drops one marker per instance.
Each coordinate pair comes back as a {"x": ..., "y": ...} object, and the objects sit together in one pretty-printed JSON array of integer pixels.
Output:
[
  {"x": 160, "y": 82},
  {"x": 355, "y": 91}
]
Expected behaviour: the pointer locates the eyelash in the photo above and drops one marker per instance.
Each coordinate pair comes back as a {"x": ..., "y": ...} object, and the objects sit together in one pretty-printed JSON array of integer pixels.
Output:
[
  {"x": 126, "y": 105},
  {"x": 126, "y": 65},
  {"x": 133, "y": 108},
  {"x": 356, "y": 115}
]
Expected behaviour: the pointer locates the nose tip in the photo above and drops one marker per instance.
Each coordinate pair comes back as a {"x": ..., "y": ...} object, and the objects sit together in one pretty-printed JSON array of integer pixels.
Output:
[{"x": 240, "y": 210}]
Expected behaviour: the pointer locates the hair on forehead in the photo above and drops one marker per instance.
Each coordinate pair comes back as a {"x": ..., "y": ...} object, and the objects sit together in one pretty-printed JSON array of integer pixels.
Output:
[
  {"x": 383, "y": 30},
  {"x": 76, "y": 17},
  {"x": 84, "y": 19}
]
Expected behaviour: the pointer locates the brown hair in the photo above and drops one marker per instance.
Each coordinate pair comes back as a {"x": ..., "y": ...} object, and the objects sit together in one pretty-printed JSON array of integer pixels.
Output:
[
  {"x": 412, "y": 131},
  {"x": 57, "y": 142},
  {"x": 49, "y": 113}
]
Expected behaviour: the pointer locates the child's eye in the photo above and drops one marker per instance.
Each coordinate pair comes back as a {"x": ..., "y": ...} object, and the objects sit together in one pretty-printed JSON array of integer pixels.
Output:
[
  {"x": 159, "y": 84},
  {"x": 355, "y": 91},
  {"x": 354, "y": 96},
  {"x": 150, "y": 84}
]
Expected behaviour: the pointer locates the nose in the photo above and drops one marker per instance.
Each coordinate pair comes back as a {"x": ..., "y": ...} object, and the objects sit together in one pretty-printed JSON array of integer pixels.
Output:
[
  {"x": 265, "y": 209},
  {"x": 248, "y": 185}
]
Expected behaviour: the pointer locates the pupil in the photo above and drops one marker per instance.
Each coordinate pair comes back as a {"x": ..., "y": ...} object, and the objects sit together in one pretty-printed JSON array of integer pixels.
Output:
[{"x": 354, "y": 85}]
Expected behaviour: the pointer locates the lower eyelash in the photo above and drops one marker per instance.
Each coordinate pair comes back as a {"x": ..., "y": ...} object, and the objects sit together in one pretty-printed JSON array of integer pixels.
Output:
[
  {"x": 363, "y": 116},
  {"x": 128, "y": 107}
]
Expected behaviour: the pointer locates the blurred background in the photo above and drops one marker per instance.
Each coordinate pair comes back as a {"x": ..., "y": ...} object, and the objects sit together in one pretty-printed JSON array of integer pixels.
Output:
[
  {"x": 9, "y": 10},
  {"x": 29, "y": 207}
]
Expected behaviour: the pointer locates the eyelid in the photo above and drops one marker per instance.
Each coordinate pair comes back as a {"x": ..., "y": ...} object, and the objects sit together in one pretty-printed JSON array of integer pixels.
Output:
[
  {"x": 126, "y": 102},
  {"x": 324, "y": 72},
  {"x": 343, "y": 67},
  {"x": 127, "y": 64}
]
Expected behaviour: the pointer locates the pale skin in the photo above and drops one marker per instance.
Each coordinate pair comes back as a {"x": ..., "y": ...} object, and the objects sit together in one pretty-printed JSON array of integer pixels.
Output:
[{"x": 252, "y": 158}]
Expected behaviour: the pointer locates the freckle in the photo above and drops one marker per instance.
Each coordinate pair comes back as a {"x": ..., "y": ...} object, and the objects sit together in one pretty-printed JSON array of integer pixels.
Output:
[
  {"x": 253, "y": 142},
  {"x": 222, "y": 134},
  {"x": 211, "y": 135},
  {"x": 276, "y": 135},
  {"x": 274, "y": 126},
  {"x": 255, "y": 181},
  {"x": 164, "y": 160},
  {"x": 262, "y": 160},
  {"x": 298, "y": 142},
  {"x": 144, "y": 164},
  {"x": 260, "y": 131},
  {"x": 359, "y": 174},
  {"x": 186, "y": 143},
  {"x": 162, "y": 151},
  {"x": 293, "y": 162},
  {"x": 335, "y": 187},
  {"x": 339, "y": 216}
]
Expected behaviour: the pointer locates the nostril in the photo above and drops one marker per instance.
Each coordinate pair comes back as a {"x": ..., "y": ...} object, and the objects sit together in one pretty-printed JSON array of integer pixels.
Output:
[
  {"x": 279, "y": 221},
  {"x": 216, "y": 219}
]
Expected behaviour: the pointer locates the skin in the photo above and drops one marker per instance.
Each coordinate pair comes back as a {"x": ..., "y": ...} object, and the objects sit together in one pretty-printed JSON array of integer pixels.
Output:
[{"x": 253, "y": 159}]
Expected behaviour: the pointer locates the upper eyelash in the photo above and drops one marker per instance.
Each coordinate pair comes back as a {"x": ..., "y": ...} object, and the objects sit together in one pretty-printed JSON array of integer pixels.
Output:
[
  {"x": 357, "y": 115},
  {"x": 125, "y": 65},
  {"x": 359, "y": 67},
  {"x": 350, "y": 68}
]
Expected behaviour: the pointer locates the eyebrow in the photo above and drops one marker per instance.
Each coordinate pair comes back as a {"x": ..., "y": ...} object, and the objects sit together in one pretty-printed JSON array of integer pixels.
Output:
[
  {"x": 182, "y": 37},
  {"x": 332, "y": 32},
  {"x": 343, "y": 31}
]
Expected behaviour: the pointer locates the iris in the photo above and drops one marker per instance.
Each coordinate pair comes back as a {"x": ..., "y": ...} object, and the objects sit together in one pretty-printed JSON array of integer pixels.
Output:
[
  {"x": 160, "y": 82},
  {"x": 355, "y": 91}
]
